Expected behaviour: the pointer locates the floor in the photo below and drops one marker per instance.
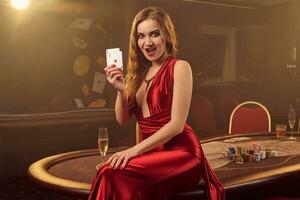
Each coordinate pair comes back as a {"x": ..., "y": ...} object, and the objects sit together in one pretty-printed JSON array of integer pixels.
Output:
[{"x": 20, "y": 188}]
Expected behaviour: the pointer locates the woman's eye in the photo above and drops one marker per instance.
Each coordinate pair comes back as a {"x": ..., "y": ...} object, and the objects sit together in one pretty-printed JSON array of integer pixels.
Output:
[
  {"x": 156, "y": 34},
  {"x": 140, "y": 36}
]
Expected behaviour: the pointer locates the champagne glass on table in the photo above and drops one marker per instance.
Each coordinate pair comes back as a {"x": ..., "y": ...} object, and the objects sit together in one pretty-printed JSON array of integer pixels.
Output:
[
  {"x": 103, "y": 141},
  {"x": 292, "y": 121},
  {"x": 299, "y": 125}
]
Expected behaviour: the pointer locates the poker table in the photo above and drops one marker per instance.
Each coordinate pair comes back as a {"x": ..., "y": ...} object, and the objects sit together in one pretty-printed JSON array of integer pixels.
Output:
[{"x": 73, "y": 172}]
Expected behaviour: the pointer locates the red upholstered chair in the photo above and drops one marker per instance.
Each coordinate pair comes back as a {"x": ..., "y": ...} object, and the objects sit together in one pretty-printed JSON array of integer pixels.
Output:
[
  {"x": 202, "y": 115},
  {"x": 249, "y": 117}
]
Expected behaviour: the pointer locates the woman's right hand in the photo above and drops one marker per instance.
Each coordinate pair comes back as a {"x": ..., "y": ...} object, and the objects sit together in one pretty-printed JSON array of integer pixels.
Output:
[{"x": 115, "y": 76}]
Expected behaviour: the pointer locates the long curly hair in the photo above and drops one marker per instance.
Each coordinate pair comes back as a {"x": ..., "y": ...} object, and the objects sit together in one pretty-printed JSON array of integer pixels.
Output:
[{"x": 138, "y": 65}]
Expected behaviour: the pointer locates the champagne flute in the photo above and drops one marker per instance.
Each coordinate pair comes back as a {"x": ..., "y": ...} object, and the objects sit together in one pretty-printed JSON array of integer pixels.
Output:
[
  {"x": 299, "y": 125},
  {"x": 103, "y": 141},
  {"x": 292, "y": 121}
]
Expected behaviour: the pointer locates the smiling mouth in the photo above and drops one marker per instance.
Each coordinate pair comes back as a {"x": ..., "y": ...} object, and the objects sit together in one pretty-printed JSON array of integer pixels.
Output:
[{"x": 150, "y": 50}]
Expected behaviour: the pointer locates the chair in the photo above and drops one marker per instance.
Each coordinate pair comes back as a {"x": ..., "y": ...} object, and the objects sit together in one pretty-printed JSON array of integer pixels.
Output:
[
  {"x": 249, "y": 117},
  {"x": 202, "y": 115}
]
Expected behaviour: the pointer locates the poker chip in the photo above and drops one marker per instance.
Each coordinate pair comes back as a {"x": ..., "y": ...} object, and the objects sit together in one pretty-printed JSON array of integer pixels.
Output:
[{"x": 249, "y": 153}]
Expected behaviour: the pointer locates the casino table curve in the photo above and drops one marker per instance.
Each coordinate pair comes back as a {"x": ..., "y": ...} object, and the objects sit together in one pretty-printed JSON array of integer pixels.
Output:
[{"x": 72, "y": 172}]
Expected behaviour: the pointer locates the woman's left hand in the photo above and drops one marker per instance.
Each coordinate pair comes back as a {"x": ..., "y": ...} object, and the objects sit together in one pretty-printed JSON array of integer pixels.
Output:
[{"x": 123, "y": 157}]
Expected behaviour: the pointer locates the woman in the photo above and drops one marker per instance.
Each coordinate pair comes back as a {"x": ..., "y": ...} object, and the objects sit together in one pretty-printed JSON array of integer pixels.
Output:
[{"x": 157, "y": 90}]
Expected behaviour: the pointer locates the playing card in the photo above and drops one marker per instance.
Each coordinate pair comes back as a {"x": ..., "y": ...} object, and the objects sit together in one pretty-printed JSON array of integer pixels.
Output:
[
  {"x": 81, "y": 23},
  {"x": 114, "y": 56},
  {"x": 99, "y": 82},
  {"x": 79, "y": 103}
]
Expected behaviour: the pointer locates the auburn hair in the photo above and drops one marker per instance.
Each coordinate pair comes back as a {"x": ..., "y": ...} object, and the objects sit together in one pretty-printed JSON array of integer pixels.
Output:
[{"x": 138, "y": 65}]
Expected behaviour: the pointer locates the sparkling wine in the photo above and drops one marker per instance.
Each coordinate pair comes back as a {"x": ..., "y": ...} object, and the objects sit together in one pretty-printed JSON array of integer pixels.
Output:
[
  {"x": 292, "y": 123},
  {"x": 103, "y": 146}
]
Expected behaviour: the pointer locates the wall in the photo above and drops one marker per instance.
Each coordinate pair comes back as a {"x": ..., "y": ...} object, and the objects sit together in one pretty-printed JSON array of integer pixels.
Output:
[
  {"x": 36, "y": 66},
  {"x": 39, "y": 48}
]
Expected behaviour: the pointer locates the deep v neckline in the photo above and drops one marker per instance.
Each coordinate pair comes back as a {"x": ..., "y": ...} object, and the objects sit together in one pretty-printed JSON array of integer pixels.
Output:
[
  {"x": 149, "y": 81},
  {"x": 152, "y": 80}
]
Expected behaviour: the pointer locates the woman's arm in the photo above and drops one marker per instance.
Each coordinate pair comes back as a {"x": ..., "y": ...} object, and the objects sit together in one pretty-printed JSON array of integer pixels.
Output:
[
  {"x": 182, "y": 93},
  {"x": 115, "y": 77},
  {"x": 121, "y": 108}
]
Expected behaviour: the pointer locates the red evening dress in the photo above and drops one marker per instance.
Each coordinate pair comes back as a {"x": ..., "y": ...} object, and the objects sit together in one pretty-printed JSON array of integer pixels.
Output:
[{"x": 173, "y": 167}]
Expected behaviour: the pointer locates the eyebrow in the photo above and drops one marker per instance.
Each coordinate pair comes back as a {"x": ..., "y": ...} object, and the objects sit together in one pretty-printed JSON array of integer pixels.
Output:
[
  {"x": 157, "y": 30},
  {"x": 149, "y": 32}
]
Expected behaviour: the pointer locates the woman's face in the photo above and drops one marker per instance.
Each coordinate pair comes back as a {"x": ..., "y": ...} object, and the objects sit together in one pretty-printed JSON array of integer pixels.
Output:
[{"x": 150, "y": 40}]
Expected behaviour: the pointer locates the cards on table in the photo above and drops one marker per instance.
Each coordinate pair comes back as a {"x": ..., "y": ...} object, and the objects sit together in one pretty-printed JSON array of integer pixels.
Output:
[{"x": 114, "y": 56}]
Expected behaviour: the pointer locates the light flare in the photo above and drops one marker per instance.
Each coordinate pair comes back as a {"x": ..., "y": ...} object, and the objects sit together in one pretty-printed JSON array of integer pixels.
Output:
[{"x": 20, "y": 4}]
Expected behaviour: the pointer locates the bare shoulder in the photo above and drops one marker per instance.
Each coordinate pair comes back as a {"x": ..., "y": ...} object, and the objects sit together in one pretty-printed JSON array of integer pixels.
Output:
[{"x": 182, "y": 66}]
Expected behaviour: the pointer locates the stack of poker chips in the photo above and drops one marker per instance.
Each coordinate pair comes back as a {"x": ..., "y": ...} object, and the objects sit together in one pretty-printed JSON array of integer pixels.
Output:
[{"x": 254, "y": 152}]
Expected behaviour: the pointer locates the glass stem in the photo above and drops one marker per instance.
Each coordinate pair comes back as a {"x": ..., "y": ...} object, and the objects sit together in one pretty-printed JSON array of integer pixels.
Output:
[{"x": 292, "y": 132}]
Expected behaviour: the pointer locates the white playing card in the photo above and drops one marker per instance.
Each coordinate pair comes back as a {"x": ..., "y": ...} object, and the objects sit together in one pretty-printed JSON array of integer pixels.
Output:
[
  {"x": 119, "y": 62},
  {"x": 112, "y": 49},
  {"x": 79, "y": 103},
  {"x": 114, "y": 56},
  {"x": 99, "y": 82},
  {"x": 81, "y": 23},
  {"x": 111, "y": 54}
]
